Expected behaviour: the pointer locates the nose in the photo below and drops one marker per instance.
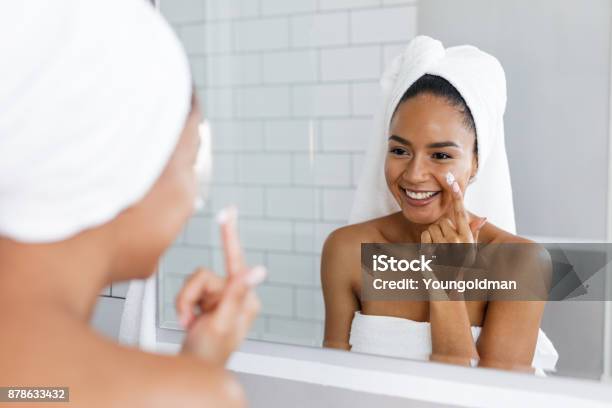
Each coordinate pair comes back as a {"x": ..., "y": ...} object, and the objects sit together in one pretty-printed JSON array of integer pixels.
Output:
[{"x": 416, "y": 171}]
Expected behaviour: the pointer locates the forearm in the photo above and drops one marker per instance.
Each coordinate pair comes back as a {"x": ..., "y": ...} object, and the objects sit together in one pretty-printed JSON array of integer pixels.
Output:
[
  {"x": 451, "y": 333},
  {"x": 101, "y": 373},
  {"x": 340, "y": 345},
  {"x": 195, "y": 383},
  {"x": 153, "y": 380}
]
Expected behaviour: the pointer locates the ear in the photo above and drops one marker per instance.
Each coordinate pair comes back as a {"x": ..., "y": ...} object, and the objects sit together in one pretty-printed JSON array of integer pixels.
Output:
[{"x": 474, "y": 166}]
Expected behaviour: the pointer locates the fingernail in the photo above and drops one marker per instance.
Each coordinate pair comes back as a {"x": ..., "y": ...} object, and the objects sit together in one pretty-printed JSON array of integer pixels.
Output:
[
  {"x": 255, "y": 276},
  {"x": 456, "y": 188},
  {"x": 450, "y": 179},
  {"x": 227, "y": 214}
]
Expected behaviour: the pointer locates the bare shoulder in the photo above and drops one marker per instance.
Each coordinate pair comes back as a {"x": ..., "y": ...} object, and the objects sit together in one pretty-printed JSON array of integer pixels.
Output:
[
  {"x": 355, "y": 234},
  {"x": 197, "y": 384},
  {"x": 492, "y": 234},
  {"x": 88, "y": 363},
  {"x": 193, "y": 383},
  {"x": 347, "y": 240},
  {"x": 341, "y": 253},
  {"x": 496, "y": 235},
  {"x": 519, "y": 258}
]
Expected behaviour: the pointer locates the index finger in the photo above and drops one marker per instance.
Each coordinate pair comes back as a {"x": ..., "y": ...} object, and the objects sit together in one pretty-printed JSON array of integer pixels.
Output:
[
  {"x": 234, "y": 259},
  {"x": 458, "y": 209}
]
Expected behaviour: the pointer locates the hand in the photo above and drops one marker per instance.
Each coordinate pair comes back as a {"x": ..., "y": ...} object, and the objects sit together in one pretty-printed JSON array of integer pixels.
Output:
[
  {"x": 456, "y": 227},
  {"x": 227, "y": 306}
]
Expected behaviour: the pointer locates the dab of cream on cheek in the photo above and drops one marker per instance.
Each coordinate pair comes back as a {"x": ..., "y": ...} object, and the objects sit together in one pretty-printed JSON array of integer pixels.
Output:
[{"x": 451, "y": 181}]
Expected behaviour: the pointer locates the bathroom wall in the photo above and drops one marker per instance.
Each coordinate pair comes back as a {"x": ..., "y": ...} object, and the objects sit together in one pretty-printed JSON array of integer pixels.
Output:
[
  {"x": 290, "y": 88},
  {"x": 556, "y": 54},
  {"x": 107, "y": 314}
]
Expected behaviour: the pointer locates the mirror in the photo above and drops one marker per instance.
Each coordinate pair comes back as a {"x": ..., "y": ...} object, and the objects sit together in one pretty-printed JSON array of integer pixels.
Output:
[{"x": 291, "y": 90}]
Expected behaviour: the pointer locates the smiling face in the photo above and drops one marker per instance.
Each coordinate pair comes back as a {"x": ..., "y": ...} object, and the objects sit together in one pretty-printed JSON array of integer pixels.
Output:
[{"x": 427, "y": 139}]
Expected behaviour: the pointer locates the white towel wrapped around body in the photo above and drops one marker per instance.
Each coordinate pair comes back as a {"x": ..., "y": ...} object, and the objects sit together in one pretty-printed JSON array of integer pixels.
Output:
[{"x": 404, "y": 338}]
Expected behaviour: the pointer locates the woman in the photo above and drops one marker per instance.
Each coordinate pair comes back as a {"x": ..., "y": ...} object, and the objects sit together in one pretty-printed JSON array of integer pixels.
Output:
[
  {"x": 438, "y": 139},
  {"x": 97, "y": 150}
]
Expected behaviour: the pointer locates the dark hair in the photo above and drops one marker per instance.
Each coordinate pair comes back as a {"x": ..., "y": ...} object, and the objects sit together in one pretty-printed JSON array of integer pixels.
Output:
[{"x": 438, "y": 86}]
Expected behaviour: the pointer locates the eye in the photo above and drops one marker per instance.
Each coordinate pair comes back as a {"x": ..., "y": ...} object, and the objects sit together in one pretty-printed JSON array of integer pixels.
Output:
[
  {"x": 398, "y": 151},
  {"x": 441, "y": 156}
]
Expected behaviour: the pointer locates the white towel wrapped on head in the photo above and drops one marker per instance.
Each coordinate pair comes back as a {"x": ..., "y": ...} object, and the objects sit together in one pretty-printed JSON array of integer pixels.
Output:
[
  {"x": 481, "y": 81},
  {"x": 93, "y": 97}
]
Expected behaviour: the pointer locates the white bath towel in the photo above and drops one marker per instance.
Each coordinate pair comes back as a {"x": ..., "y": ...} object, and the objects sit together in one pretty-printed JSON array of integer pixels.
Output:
[
  {"x": 138, "y": 321},
  {"x": 480, "y": 79},
  {"x": 93, "y": 97},
  {"x": 404, "y": 338}
]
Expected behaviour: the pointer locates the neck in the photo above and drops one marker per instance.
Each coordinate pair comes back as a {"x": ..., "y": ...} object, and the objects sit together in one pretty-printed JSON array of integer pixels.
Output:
[
  {"x": 415, "y": 230},
  {"x": 407, "y": 231},
  {"x": 411, "y": 232},
  {"x": 68, "y": 275}
]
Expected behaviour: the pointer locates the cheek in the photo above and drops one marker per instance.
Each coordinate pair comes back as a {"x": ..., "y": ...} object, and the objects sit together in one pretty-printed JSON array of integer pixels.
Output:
[
  {"x": 186, "y": 192},
  {"x": 461, "y": 169},
  {"x": 176, "y": 203},
  {"x": 190, "y": 185},
  {"x": 393, "y": 170}
]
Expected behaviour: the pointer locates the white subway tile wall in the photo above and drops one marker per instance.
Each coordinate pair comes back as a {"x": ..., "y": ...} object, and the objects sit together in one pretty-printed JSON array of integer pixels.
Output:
[{"x": 291, "y": 89}]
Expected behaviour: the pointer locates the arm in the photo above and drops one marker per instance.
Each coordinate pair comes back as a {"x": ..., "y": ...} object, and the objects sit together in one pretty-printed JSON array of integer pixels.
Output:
[
  {"x": 100, "y": 372},
  {"x": 160, "y": 381},
  {"x": 451, "y": 333},
  {"x": 510, "y": 334},
  {"x": 511, "y": 327},
  {"x": 451, "y": 330},
  {"x": 337, "y": 262}
]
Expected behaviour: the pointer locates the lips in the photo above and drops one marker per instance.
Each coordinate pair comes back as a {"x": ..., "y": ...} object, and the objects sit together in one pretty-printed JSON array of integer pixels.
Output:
[{"x": 419, "y": 198}]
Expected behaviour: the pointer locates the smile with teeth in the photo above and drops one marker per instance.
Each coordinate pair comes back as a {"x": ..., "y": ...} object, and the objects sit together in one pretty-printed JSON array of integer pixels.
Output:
[{"x": 420, "y": 195}]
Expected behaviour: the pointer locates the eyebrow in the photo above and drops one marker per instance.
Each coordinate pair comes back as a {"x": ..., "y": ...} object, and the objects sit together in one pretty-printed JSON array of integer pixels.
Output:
[{"x": 431, "y": 145}]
